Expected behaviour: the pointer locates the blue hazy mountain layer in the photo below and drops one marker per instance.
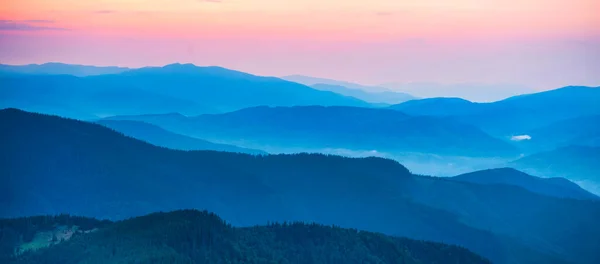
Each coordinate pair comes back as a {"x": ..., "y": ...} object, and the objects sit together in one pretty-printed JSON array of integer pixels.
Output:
[
  {"x": 81, "y": 98},
  {"x": 53, "y": 165},
  {"x": 336, "y": 127},
  {"x": 580, "y": 131},
  {"x": 557, "y": 187},
  {"x": 381, "y": 97},
  {"x": 480, "y": 92},
  {"x": 182, "y": 88},
  {"x": 577, "y": 163},
  {"x": 310, "y": 81},
  {"x": 163, "y": 138},
  {"x": 54, "y": 68},
  {"x": 515, "y": 115}
]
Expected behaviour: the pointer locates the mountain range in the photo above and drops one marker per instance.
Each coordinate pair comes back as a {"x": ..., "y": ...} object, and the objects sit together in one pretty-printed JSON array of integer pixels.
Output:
[
  {"x": 515, "y": 115},
  {"x": 188, "y": 137},
  {"x": 54, "y": 68},
  {"x": 125, "y": 177},
  {"x": 579, "y": 131},
  {"x": 576, "y": 163},
  {"x": 310, "y": 81},
  {"x": 319, "y": 127},
  {"x": 371, "y": 94},
  {"x": 371, "y": 97},
  {"x": 182, "y": 88},
  {"x": 81, "y": 98}
]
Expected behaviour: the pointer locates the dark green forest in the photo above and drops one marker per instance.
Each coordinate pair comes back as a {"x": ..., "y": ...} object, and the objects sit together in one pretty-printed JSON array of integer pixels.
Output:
[{"x": 190, "y": 236}]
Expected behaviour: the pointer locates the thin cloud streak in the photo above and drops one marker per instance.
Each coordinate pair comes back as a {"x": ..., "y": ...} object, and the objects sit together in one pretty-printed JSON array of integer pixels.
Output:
[
  {"x": 27, "y": 25},
  {"x": 40, "y": 21}
]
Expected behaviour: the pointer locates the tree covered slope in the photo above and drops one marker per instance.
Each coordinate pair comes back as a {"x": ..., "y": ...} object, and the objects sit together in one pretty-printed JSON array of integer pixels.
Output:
[
  {"x": 190, "y": 236},
  {"x": 87, "y": 169}
]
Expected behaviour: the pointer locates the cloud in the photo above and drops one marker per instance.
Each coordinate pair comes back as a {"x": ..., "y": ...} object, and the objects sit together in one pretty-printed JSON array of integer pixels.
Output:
[
  {"x": 520, "y": 138},
  {"x": 104, "y": 12},
  {"x": 27, "y": 25},
  {"x": 36, "y": 21}
]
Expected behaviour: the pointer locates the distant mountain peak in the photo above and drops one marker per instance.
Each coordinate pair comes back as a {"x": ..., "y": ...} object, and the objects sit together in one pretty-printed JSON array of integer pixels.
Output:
[
  {"x": 505, "y": 173},
  {"x": 506, "y": 170},
  {"x": 446, "y": 100},
  {"x": 308, "y": 80},
  {"x": 191, "y": 69},
  {"x": 365, "y": 93},
  {"x": 180, "y": 65}
]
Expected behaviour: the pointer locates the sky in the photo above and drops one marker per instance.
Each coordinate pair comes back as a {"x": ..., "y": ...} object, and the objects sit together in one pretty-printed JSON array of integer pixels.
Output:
[{"x": 540, "y": 44}]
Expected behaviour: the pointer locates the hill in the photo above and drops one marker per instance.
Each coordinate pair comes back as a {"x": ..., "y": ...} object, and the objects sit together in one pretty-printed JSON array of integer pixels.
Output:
[
  {"x": 515, "y": 115},
  {"x": 81, "y": 98},
  {"x": 181, "y": 88},
  {"x": 228, "y": 90},
  {"x": 478, "y": 92},
  {"x": 125, "y": 177},
  {"x": 557, "y": 187},
  {"x": 54, "y": 68},
  {"x": 318, "y": 127},
  {"x": 310, "y": 81},
  {"x": 580, "y": 131},
  {"x": 576, "y": 163},
  {"x": 439, "y": 106},
  {"x": 163, "y": 138},
  {"x": 381, "y": 97},
  {"x": 201, "y": 237}
]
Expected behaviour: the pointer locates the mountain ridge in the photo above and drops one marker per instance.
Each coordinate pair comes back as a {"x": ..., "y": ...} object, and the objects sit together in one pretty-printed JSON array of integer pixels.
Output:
[
  {"x": 336, "y": 126},
  {"x": 381, "y": 97},
  {"x": 370, "y": 194},
  {"x": 557, "y": 187},
  {"x": 576, "y": 163},
  {"x": 514, "y": 115},
  {"x": 160, "y": 137},
  {"x": 183, "y": 88}
]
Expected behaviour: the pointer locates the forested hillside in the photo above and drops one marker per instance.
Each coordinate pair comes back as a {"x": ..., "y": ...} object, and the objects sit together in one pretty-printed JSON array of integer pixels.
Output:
[
  {"x": 87, "y": 169},
  {"x": 190, "y": 236}
]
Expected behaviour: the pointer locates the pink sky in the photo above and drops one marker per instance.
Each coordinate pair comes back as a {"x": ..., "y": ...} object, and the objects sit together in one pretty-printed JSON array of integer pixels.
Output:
[{"x": 539, "y": 43}]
